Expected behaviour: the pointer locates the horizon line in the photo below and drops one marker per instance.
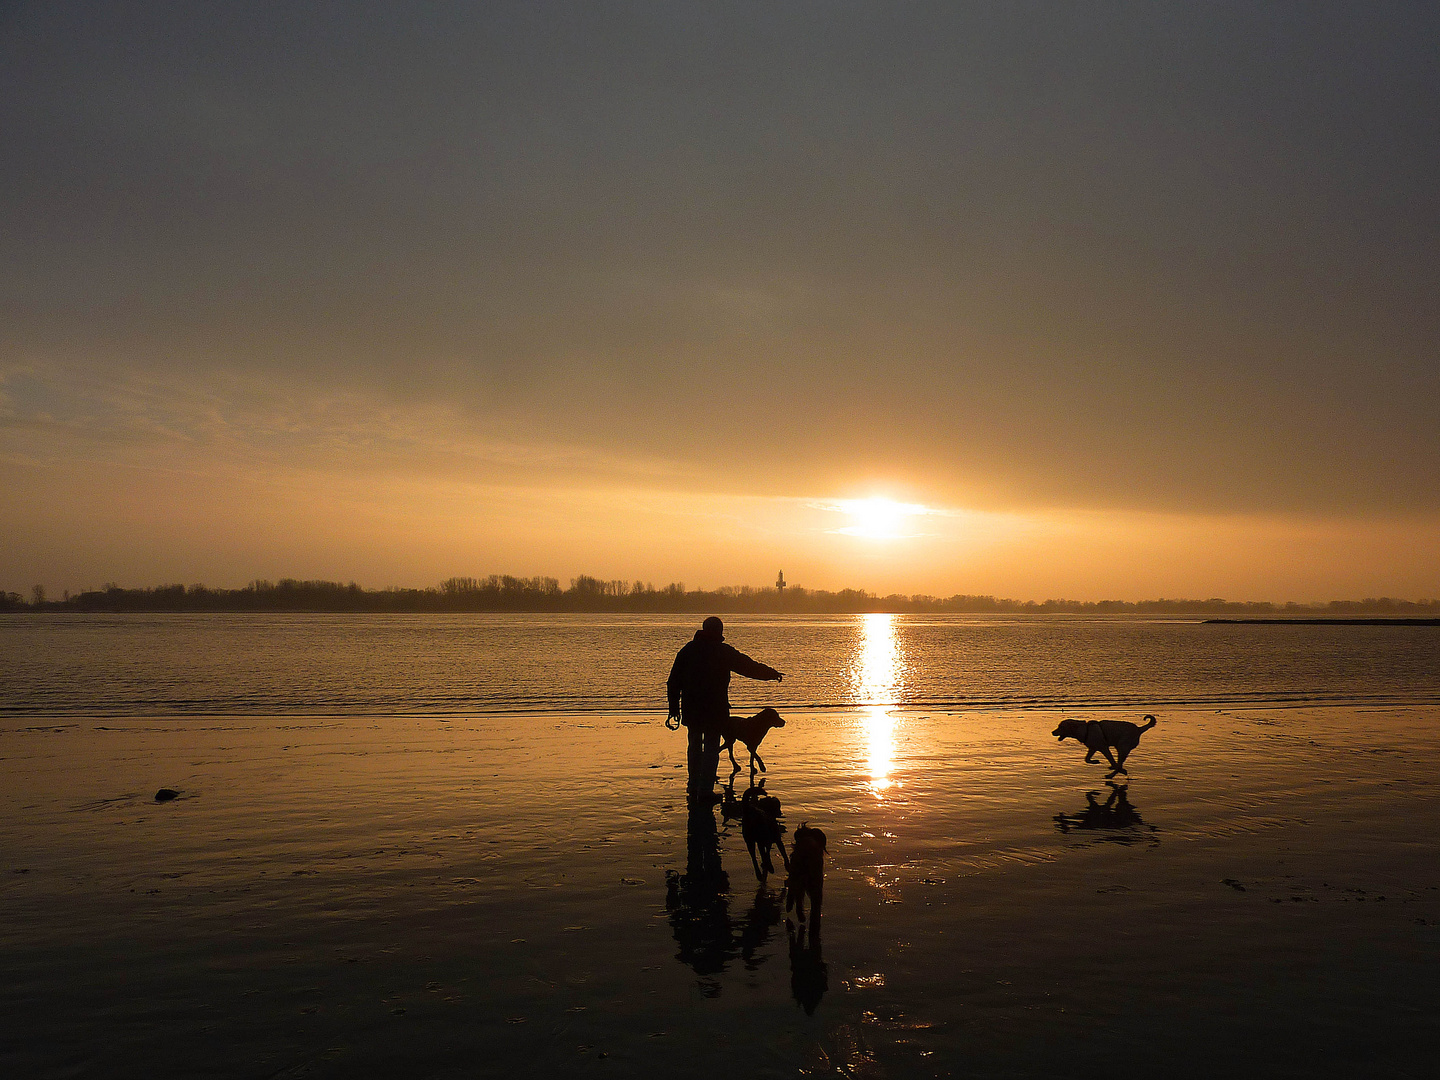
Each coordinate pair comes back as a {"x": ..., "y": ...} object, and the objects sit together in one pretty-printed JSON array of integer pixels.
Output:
[{"x": 511, "y": 592}]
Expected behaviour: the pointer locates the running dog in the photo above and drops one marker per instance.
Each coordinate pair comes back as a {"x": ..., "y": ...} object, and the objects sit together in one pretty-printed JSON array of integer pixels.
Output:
[
  {"x": 807, "y": 872},
  {"x": 751, "y": 731},
  {"x": 1101, "y": 735},
  {"x": 761, "y": 828}
]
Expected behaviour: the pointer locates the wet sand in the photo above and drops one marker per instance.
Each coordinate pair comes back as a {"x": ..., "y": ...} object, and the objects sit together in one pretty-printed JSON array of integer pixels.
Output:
[{"x": 524, "y": 894}]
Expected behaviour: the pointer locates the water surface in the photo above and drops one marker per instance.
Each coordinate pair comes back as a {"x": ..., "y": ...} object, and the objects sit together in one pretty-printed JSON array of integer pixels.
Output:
[{"x": 446, "y": 665}]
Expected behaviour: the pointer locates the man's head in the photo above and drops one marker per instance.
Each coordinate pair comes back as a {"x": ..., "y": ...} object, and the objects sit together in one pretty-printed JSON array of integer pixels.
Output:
[{"x": 713, "y": 627}]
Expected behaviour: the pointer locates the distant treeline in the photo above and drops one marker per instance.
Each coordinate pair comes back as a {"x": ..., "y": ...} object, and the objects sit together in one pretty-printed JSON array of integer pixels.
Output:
[{"x": 504, "y": 593}]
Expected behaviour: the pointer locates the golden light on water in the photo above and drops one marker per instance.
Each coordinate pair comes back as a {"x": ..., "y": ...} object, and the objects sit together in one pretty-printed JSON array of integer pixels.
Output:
[
  {"x": 876, "y": 675},
  {"x": 878, "y": 670},
  {"x": 880, "y": 744}
]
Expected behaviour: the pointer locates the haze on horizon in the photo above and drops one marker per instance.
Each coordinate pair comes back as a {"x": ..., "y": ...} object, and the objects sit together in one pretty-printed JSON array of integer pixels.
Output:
[{"x": 1134, "y": 299}]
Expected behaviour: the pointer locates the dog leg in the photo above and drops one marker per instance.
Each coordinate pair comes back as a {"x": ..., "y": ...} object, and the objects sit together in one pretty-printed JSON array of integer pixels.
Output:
[
  {"x": 1110, "y": 758},
  {"x": 755, "y": 754},
  {"x": 759, "y": 874},
  {"x": 730, "y": 749},
  {"x": 1120, "y": 765}
]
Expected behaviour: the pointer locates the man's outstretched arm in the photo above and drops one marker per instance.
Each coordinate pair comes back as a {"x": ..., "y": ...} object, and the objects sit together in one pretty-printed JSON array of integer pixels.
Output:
[{"x": 753, "y": 669}]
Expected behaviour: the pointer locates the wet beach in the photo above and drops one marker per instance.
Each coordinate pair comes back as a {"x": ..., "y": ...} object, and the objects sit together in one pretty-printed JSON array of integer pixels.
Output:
[{"x": 493, "y": 894}]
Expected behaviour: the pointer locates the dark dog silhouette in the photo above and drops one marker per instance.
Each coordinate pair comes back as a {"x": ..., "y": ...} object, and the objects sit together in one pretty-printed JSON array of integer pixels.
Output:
[
  {"x": 807, "y": 872},
  {"x": 751, "y": 731},
  {"x": 1101, "y": 735}
]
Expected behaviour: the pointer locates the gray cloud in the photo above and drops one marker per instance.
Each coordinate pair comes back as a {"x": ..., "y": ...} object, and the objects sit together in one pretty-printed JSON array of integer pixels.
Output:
[{"x": 1146, "y": 255}]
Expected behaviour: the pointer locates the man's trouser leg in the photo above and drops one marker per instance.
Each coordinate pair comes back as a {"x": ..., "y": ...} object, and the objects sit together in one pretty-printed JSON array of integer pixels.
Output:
[
  {"x": 694, "y": 758},
  {"x": 712, "y": 760},
  {"x": 702, "y": 756}
]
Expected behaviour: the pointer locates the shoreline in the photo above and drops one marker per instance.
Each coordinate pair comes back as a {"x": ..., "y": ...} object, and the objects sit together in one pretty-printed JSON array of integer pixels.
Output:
[{"x": 655, "y": 716}]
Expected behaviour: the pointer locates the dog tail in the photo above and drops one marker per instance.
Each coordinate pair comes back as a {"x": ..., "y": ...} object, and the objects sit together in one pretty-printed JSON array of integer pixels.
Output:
[{"x": 1148, "y": 726}]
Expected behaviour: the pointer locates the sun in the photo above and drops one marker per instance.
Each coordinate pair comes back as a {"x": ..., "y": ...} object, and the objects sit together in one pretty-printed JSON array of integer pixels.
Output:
[{"x": 877, "y": 518}]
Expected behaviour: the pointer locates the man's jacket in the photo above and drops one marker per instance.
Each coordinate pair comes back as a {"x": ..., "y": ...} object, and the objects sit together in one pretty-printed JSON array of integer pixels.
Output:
[{"x": 699, "y": 684}]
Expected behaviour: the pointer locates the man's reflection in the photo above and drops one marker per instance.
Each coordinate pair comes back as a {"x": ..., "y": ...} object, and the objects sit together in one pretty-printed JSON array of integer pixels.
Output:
[
  {"x": 698, "y": 903},
  {"x": 709, "y": 938}
]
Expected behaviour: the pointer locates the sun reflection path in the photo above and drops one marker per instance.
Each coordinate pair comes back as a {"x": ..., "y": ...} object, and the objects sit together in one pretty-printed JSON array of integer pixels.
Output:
[
  {"x": 880, "y": 746},
  {"x": 876, "y": 676}
]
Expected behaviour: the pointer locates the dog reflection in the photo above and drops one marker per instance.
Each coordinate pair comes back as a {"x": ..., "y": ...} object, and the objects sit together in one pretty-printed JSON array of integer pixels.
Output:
[
  {"x": 1116, "y": 816},
  {"x": 809, "y": 977},
  {"x": 760, "y": 826},
  {"x": 731, "y": 808},
  {"x": 755, "y": 926},
  {"x": 759, "y": 815}
]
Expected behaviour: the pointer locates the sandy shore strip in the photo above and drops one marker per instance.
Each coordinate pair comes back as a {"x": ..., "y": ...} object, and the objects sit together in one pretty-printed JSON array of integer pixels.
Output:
[{"x": 492, "y": 895}]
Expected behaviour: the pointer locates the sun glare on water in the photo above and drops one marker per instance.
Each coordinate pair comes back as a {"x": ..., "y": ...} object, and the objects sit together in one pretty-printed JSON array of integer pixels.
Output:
[
  {"x": 875, "y": 678},
  {"x": 879, "y": 519}
]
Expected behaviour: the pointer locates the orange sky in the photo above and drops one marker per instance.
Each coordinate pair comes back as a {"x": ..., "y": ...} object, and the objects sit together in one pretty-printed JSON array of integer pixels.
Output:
[{"x": 1139, "y": 299}]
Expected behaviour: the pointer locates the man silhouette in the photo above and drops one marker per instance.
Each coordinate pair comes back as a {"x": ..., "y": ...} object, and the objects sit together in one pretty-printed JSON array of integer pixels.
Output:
[{"x": 699, "y": 690}]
